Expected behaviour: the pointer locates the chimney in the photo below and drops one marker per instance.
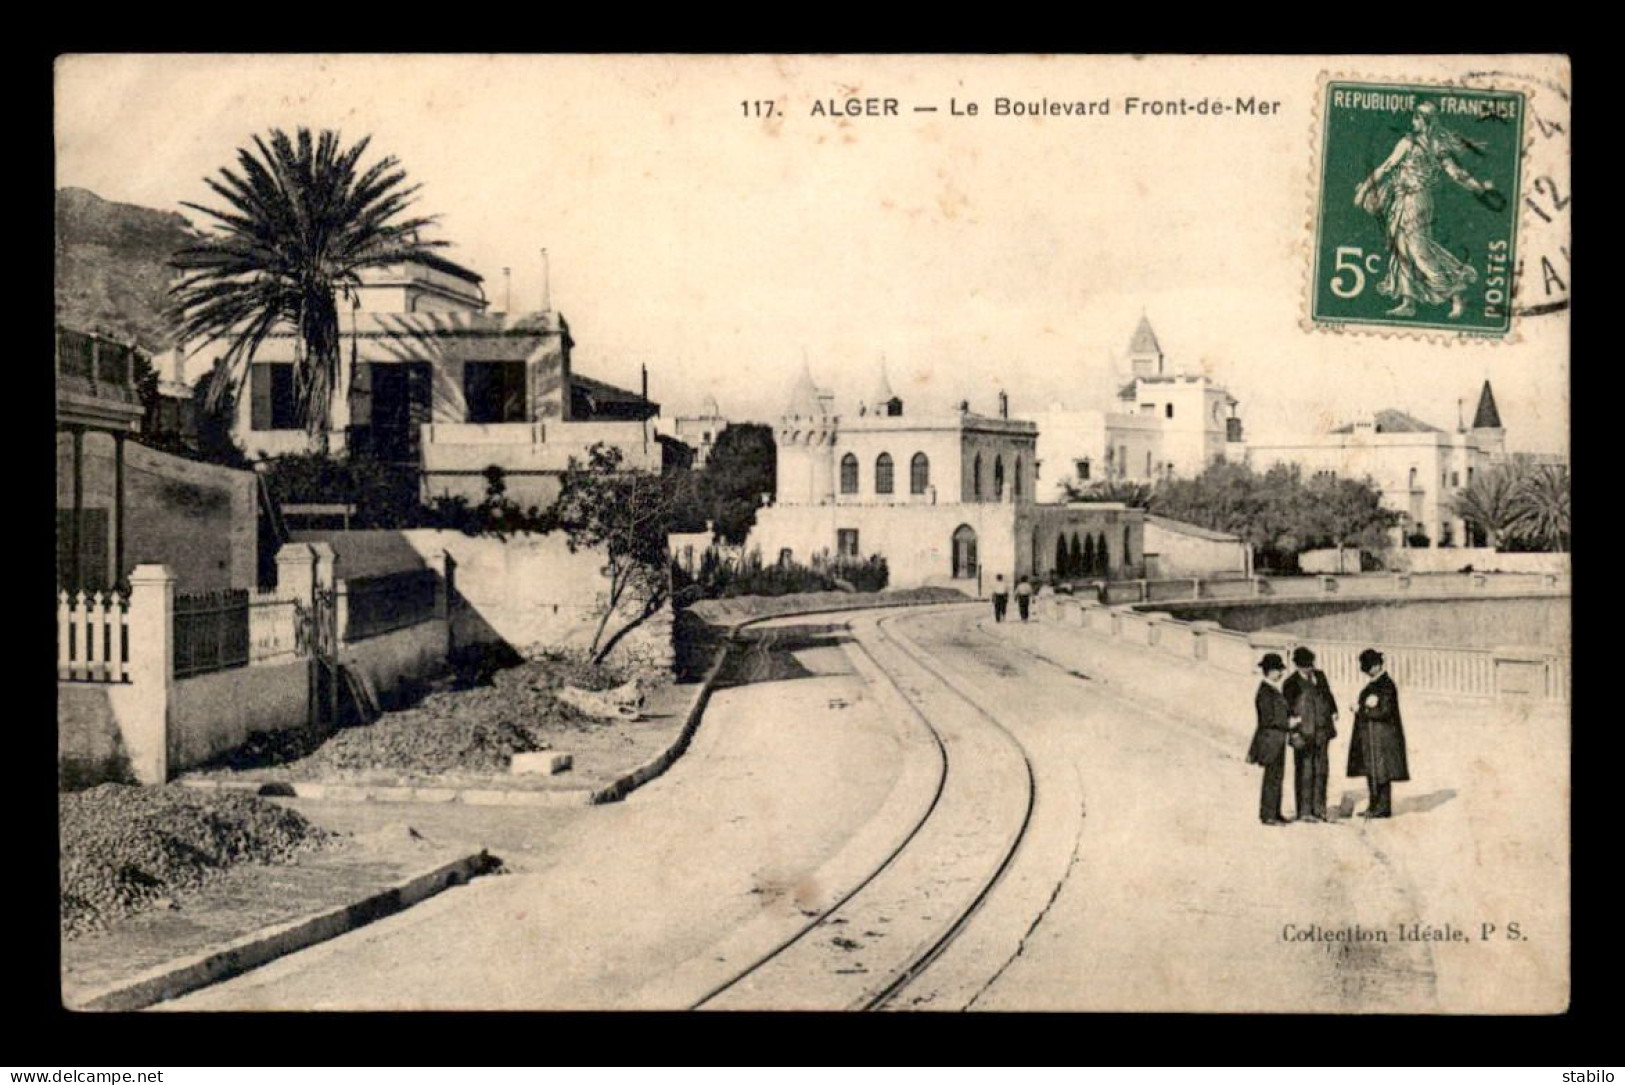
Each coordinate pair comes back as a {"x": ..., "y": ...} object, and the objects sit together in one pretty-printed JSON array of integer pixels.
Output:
[
  {"x": 507, "y": 289},
  {"x": 547, "y": 285},
  {"x": 1004, "y": 405}
]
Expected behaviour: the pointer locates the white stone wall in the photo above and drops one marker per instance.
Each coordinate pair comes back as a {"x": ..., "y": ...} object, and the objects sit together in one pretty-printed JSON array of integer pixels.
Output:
[
  {"x": 1181, "y": 554},
  {"x": 916, "y": 540}
]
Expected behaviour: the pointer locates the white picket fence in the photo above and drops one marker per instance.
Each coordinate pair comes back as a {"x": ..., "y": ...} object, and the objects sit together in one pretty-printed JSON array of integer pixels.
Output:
[{"x": 92, "y": 640}]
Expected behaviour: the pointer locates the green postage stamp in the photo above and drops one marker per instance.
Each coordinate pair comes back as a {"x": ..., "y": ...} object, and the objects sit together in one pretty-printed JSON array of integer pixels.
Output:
[{"x": 1417, "y": 207}]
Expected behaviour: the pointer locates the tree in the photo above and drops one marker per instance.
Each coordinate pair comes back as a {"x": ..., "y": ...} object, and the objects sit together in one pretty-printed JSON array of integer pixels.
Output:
[
  {"x": 1342, "y": 512},
  {"x": 624, "y": 515},
  {"x": 743, "y": 466},
  {"x": 1541, "y": 506},
  {"x": 1490, "y": 503},
  {"x": 302, "y": 220}
]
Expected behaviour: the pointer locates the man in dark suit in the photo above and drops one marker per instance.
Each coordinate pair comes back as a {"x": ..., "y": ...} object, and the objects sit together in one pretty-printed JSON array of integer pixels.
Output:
[
  {"x": 1270, "y": 739},
  {"x": 1309, "y": 698},
  {"x": 1377, "y": 749}
]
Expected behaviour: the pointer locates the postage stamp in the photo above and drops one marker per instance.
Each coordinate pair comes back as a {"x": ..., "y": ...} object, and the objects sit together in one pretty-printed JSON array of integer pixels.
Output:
[{"x": 1417, "y": 207}]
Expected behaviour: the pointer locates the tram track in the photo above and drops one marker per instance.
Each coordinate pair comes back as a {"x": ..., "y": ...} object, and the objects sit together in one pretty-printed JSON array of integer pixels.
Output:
[{"x": 955, "y": 856}]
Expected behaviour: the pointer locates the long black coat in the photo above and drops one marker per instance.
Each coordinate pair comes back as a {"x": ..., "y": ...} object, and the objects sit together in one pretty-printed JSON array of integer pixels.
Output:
[
  {"x": 1311, "y": 699},
  {"x": 1377, "y": 748},
  {"x": 1269, "y": 741}
]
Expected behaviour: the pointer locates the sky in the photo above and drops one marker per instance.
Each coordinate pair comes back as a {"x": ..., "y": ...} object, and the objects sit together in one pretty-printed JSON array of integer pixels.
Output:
[{"x": 971, "y": 254}]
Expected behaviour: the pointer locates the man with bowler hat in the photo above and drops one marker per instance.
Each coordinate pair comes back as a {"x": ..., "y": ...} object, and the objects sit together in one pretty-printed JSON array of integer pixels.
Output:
[
  {"x": 1309, "y": 698},
  {"x": 1377, "y": 749},
  {"x": 1270, "y": 739}
]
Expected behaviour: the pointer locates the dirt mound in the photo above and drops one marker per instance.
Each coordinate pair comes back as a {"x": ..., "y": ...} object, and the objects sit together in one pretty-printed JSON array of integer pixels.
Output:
[
  {"x": 475, "y": 730},
  {"x": 124, "y": 848}
]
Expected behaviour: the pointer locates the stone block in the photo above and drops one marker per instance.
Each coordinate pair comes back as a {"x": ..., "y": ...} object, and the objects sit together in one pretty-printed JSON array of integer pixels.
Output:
[{"x": 540, "y": 763}]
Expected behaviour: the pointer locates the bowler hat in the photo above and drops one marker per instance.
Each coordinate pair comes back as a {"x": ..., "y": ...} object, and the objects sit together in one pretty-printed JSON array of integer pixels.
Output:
[
  {"x": 1370, "y": 658},
  {"x": 1271, "y": 662},
  {"x": 1302, "y": 657}
]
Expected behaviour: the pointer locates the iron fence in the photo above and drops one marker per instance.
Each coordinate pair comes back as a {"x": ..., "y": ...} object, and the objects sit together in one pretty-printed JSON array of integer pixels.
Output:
[{"x": 211, "y": 632}]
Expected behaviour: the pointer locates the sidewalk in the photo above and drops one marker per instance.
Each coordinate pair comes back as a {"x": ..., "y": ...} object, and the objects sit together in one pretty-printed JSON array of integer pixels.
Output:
[
  {"x": 1480, "y": 833},
  {"x": 638, "y": 905}
]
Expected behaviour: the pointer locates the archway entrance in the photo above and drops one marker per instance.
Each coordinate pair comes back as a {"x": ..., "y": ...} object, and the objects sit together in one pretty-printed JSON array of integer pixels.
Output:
[{"x": 964, "y": 552}]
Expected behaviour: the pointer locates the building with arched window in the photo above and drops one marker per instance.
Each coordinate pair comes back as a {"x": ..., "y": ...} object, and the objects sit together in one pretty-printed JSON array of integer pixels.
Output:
[{"x": 967, "y": 513}]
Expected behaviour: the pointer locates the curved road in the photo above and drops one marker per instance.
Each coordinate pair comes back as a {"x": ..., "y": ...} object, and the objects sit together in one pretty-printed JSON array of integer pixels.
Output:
[{"x": 913, "y": 810}]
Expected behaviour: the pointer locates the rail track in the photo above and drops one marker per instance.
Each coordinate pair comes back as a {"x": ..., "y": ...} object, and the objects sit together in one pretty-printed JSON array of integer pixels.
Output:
[{"x": 867, "y": 949}]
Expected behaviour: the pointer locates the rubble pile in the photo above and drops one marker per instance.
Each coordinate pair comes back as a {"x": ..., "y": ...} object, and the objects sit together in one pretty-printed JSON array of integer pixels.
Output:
[
  {"x": 474, "y": 730},
  {"x": 124, "y": 848}
]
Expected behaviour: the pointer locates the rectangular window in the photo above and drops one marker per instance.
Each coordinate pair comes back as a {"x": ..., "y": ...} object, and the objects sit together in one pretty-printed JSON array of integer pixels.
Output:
[
  {"x": 93, "y": 563},
  {"x": 275, "y": 404},
  {"x": 1170, "y": 410},
  {"x": 1082, "y": 467},
  {"x": 846, "y": 542},
  {"x": 495, "y": 392},
  {"x": 1148, "y": 408},
  {"x": 1455, "y": 478}
]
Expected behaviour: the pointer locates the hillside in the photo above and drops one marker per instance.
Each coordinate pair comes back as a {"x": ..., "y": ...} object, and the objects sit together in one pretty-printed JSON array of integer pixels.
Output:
[{"x": 111, "y": 266}]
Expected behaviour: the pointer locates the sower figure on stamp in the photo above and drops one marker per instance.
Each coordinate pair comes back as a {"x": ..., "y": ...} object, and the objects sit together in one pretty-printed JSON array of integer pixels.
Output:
[
  {"x": 1270, "y": 739},
  {"x": 1377, "y": 750},
  {"x": 1309, "y": 698},
  {"x": 1400, "y": 192}
]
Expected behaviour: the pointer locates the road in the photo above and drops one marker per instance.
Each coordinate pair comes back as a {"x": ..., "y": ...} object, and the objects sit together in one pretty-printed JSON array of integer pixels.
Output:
[{"x": 921, "y": 810}]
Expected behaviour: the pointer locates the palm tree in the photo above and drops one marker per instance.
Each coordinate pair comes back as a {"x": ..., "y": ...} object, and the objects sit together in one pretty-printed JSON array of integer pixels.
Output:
[
  {"x": 1491, "y": 503},
  {"x": 301, "y": 223},
  {"x": 1542, "y": 505}
]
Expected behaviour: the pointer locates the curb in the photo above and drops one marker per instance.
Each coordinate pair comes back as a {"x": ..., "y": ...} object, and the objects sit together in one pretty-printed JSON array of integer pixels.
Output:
[
  {"x": 389, "y": 793},
  {"x": 619, "y": 789},
  {"x": 177, "y": 978}
]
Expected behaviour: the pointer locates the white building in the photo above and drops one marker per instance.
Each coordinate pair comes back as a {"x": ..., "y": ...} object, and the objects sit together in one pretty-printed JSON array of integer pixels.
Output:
[
  {"x": 946, "y": 498},
  {"x": 1419, "y": 468},
  {"x": 429, "y": 376},
  {"x": 700, "y": 431},
  {"x": 1165, "y": 424}
]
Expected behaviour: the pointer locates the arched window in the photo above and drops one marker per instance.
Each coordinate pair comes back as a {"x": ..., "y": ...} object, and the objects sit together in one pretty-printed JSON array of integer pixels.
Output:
[
  {"x": 1062, "y": 566},
  {"x": 1088, "y": 566},
  {"x": 998, "y": 478},
  {"x": 1413, "y": 478},
  {"x": 1127, "y": 560},
  {"x": 1103, "y": 557},
  {"x": 964, "y": 550},
  {"x": 1015, "y": 479},
  {"x": 1076, "y": 563},
  {"x": 883, "y": 474},
  {"x": 849, "y": 474},
  {"x": 919, "y": 473},
  {"x": 976, "y": 477}
]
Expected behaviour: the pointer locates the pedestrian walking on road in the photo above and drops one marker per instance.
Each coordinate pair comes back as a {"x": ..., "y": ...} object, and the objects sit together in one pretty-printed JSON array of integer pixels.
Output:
[
  {"x": 1024, "y": 597},
  {"x": 1001, "y": 597},
  {"x": 1270, "y": 739},
  {"x": 1314, "y": 713},
  {"x": 1377, "y": 748}
]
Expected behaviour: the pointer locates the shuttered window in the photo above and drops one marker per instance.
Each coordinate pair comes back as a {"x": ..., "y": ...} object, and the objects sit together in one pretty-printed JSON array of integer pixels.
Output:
[{"x": 275, "y": 405}]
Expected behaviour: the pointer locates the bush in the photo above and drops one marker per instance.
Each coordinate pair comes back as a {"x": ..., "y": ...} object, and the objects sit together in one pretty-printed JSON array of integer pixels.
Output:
[
  {"x": 716, "y": 580},
  {"x": 384, "y": 495}
]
